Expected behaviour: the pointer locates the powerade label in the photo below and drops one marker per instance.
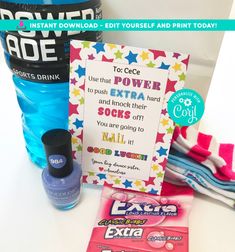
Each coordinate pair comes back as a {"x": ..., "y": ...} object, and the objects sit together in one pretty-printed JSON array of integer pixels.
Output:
[{"x": 43, "y": 56}]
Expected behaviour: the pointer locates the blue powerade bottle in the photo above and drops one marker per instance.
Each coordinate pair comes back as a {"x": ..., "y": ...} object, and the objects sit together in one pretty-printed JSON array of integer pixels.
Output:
[{"x": 39, "y": 61}]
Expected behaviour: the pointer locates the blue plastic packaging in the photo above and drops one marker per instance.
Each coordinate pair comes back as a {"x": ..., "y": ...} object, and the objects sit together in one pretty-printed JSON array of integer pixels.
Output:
[
  {"x": 44, "y": 107},
  {"x": 40, "y": 64}
]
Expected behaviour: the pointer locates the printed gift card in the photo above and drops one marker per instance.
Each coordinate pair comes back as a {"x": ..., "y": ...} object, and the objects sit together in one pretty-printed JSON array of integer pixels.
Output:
[{"x": 121, "y": 131}]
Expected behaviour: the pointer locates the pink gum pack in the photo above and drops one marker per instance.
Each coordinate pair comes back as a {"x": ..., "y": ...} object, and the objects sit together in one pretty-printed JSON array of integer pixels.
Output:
[{"x": 136, "y": 222}]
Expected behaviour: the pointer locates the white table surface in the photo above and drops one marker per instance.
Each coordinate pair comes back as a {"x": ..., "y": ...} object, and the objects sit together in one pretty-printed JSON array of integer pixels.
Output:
[{"x": 28, "y": 223}]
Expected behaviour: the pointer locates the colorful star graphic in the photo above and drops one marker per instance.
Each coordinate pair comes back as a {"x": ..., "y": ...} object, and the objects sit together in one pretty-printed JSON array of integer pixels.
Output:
[
  {"x": 74, "y": 140},
  {"x": 81, "y": 136},
  {"x": 144, "y": 55},
  {"x": 176, "y": 55},
  {"x": 170, "y": 86},
  {"x": 157, "y": 53},
  {"x": 137, "y": 183},
  {"x": 160, "y": 175},
  {"x": 164, "y": 122},
  {"x": 182, "y": 77},
  {"x": 73, "y": 81},
  {"x": 142, "y": 189},
  {"x": 163, "y": 163},
  {"x": 151, "y": 64},
  {"x": 84, "y": 179},
  {"x": 154, "y": 158},
  {"x": 91, "y": 174},
  {"x": 75, "y": 54},
  {"x": 162, "y": 151},
  {"x": 79, "y": 148},
  {"x": 155, "y": 167},
  {"x": 118, "y": 54},
  {"x": 95, "y": 182},
  {"x": 71, "y": 131},
  {"x": 81, "y": 71},
  {"x": 152, "y": 191},
  {"x": 73, "y": 109},
  {"x": 117, "y": 181},
  {"x": 164, "y": 111},
  {"x": 81, "y": 101},
  {"x": 78, "y": 124},
  {"x": 160, "y": 137},
  {"x": 76, "y": 92},
  {"x": 111, "y": 46},
  {"x": 107, "y": 184},
  {"x": 106, "y": 59},
  {"x": 91, "y": 57},
  {"x": 186, "y": 61},
  {"x": 177, "y": 67},
  {"x": 127, "y": 183},
  {"x": 101, "y": 176},
  {"x": 170, "y": 130},
  {"x": 150, "y": 181},
  {"x": 131, "y": 57},
  {"x": 164, "y": 66},
  {"x": 99, "y": 47},
  {"x": 82, "y": 87},
  {"x": 86, "y": 44}
]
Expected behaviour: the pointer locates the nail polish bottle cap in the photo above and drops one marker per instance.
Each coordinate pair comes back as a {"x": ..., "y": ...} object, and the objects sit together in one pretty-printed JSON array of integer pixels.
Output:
[{"x": 58, "y": 148}]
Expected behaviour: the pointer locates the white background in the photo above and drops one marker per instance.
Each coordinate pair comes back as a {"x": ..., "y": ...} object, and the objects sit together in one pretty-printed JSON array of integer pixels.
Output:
[
  {"x": 29, "y": 223},
  {"x": 203, "y": 47}
]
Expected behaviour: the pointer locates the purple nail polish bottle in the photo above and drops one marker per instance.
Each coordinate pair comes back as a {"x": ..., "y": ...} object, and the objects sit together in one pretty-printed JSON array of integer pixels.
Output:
[{"x": 62, "y": 177}]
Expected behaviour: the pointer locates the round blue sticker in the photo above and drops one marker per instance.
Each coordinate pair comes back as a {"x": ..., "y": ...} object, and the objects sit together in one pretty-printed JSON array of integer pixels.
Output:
[
  {"x": 186, "y": 107},
  {"x": 57, "y": 161}
]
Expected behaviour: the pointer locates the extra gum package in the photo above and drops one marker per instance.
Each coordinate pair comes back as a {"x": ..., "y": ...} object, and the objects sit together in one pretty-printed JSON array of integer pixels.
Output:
[{"x": 136, "y": 222}]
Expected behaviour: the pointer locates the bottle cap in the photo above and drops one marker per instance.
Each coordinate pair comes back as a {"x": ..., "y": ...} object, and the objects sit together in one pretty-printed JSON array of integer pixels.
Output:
[{"x": 57, "y": 145}]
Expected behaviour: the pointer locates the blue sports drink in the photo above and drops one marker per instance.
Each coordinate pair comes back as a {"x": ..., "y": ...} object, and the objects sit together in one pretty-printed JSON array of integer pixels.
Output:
[{"x": 39, "y": 61}]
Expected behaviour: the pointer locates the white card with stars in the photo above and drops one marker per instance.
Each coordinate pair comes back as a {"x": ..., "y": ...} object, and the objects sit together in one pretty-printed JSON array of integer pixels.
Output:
[{"x": 121, "y": 131}]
